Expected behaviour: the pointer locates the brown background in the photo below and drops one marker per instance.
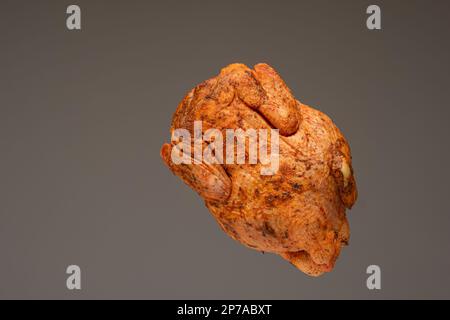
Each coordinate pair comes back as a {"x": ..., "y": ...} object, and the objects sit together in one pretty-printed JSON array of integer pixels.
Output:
[{"x": 83, "y": 116}]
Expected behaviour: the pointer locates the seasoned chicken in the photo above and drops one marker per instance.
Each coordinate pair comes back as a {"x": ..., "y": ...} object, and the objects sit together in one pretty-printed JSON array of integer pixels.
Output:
[{"x": 298, "y": 211}]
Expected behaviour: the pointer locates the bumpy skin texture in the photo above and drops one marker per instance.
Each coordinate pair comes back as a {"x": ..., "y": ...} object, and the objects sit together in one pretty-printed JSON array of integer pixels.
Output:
[{"x": 297, "y": 213}]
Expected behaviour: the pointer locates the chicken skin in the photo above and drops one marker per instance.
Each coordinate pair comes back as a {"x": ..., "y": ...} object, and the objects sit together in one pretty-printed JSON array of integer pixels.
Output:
[{"x": 299, "y": 211}]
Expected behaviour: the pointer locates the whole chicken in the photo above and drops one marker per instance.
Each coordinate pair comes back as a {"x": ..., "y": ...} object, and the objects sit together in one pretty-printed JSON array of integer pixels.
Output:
[{"x": 298, "y": 212}]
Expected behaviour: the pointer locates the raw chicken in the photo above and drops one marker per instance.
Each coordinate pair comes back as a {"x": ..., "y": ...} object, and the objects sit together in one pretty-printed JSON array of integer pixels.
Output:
[{"x": 298, "y": 212}]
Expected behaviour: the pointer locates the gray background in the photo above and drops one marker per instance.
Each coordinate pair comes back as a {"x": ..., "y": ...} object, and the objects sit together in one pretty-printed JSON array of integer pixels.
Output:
[{"x": 83, "y": 116}]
